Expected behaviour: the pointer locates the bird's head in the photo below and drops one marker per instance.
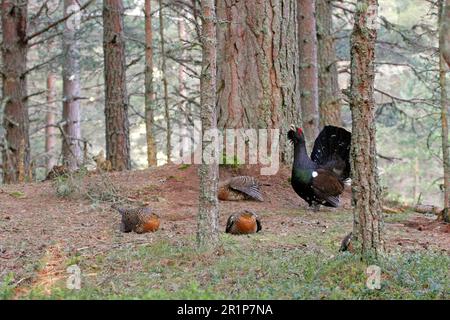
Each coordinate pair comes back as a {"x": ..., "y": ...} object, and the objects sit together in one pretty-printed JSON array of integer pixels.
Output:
[
  {"x": 248, "y": 214},
  {"x": 295, "y": 135}
]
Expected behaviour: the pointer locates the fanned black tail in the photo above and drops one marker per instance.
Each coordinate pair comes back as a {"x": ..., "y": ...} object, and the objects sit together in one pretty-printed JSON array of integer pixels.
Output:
[{"x": 332, "y": 150}]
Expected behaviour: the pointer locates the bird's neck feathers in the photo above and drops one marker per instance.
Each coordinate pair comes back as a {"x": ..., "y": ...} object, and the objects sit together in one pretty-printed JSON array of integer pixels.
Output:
[{"x": 301, "y": 158}]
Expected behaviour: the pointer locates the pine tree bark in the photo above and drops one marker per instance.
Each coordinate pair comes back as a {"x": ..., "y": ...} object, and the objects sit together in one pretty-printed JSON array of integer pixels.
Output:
[
  {"x": 71, "y": 142},
  {"x": 307, "y": 46},
  {"x": 444, "y": 126},
  {"x": 16, "y": 152},
  {"x": 368, "y": 219},
  {"x": 116, "y": 98},
  {"x": 208, "y": 214},
  {"x": 328, "y": 85},
  {"x": 257, "y": 77},
  {"x": 149, "y": 90},
  {"x": 165, "y": 88},
  {"x": 50, "y": 121},
  {"x": 444, "y": 58}
]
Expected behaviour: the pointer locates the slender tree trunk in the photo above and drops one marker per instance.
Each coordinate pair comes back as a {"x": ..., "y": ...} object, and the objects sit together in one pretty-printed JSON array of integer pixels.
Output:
[
  {"x": 181, "y": 68},
  {"x": 195, "y": 9},
  {"x": 116, "y": 98},
  {"x": 443, "y": 58},
  {"x": 149, "y": 91},
  {"x": 328, "y": 85},
  {"x": 257, "y": 76},
  {"x": 182, "y": 88},
  {"x": 368, "y": 219},
  {"x": 50, "y": 120},
  {"x": 445, "y": 144},
  {"x": 71, "y": 142},
  {"x": 164, "y": 80},
  {"x": 16, "y": 152},
  {"x": 208, "y": 214},
  {"x": 307, "y": 45}
]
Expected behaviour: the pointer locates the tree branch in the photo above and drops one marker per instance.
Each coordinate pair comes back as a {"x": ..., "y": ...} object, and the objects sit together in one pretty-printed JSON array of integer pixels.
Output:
[
  {"x": 34, "y": 94},
  {"x": 391, "y": 159},
  {"x": 54, "y": 24},
  {"x": 40, "y": 65}
]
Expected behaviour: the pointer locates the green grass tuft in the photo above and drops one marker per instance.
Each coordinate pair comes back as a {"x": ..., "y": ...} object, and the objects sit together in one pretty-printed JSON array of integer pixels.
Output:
[{"x": 6, "y": 287}]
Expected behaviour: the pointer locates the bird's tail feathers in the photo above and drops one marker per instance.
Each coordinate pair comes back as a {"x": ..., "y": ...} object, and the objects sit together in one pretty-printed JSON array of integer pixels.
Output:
[{"x": 332, "y": 147}]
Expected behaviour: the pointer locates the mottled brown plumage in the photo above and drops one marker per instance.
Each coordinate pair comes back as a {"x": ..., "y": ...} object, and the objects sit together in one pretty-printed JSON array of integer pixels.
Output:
[
  {"x": 243, "y": 223},
  {"x": 139, "y": 220},
  {"x": 240, "y": 188}
]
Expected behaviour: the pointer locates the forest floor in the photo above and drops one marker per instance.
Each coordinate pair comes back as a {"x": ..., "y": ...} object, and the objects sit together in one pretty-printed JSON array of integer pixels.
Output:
[{"x": 46, "y": 227}]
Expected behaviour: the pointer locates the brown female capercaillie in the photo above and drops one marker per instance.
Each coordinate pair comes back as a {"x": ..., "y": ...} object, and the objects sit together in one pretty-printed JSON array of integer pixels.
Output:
[
  {"x": 243, "y": 223},
  {"x": 139, "y": 220},
  {"x": 240, "y": 188}
]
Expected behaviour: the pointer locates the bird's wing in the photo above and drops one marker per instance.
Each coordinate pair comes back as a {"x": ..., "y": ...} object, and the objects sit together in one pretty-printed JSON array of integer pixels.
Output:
[
  {"x": 327, "y": 186},
  {"x": 247, "y": 185},
  {"x": 230, "y": 223}
]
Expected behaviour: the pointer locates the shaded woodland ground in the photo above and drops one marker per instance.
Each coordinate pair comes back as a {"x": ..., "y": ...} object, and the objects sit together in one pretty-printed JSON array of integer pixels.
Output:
[{"x": 45, "y": 227}]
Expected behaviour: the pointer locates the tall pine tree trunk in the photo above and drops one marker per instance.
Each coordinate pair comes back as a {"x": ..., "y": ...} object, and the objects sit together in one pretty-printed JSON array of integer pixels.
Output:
[
  {"x": 50, "y": 121},
  {"x": 208, "y": 214},
  {"x": 165, "y": 87},
  {"x": 16, "y": 152},
  {"x": 116, "y": 98},
  {"x": 444, "y": 126},
  {"x": 149, "y": 91},
  {"x": 329, "y": 94},
  {"x": 307, "y": 45},
  {"x": 444, "y": 46},
  {"x": 71, "y": 142},
  {"x": 257, "y": 76},
  {"x": 368, "y": 219},
  {"x": 181, "y": 68}
]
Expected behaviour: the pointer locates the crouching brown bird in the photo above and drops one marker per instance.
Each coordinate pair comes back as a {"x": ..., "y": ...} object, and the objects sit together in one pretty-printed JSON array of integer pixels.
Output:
[
  {"x": 243, "y": 223},
  {"x": 240, "y": 188},
  {"x": 139, "y": 220}
]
